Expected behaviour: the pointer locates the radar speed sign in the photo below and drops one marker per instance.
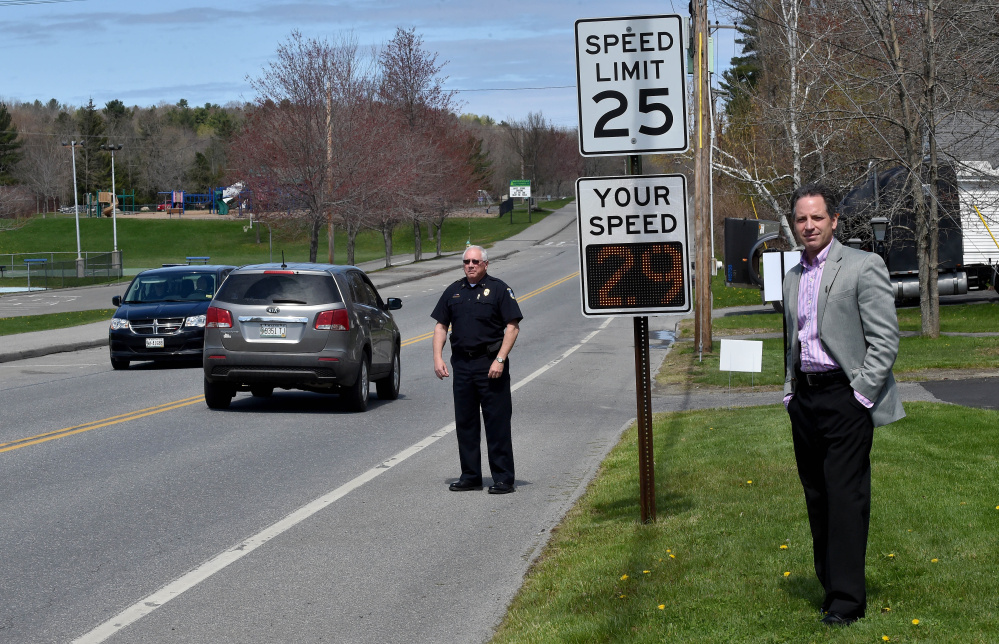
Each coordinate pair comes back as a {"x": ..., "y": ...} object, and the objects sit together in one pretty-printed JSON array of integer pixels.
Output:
[
  {"x": 633, "y": 245},
  {"x": 631, "y": 85}
]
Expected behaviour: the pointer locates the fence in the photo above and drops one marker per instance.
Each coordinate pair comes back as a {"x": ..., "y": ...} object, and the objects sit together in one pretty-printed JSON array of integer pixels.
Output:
[{"x": 59, "y": 270}]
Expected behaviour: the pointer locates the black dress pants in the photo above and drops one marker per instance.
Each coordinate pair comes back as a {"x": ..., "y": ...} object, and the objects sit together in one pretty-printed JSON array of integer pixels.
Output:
[
  {"x": 474, "y": 390},
  {"x": 833, "y": 434}
]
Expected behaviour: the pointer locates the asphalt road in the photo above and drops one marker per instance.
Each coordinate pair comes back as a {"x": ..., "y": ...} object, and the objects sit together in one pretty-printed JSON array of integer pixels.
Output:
[{"x": 141, "y": 485}]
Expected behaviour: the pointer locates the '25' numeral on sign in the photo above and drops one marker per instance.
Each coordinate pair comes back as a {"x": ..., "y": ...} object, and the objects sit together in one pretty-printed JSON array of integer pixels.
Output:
[{"x": 645, "y": 106}]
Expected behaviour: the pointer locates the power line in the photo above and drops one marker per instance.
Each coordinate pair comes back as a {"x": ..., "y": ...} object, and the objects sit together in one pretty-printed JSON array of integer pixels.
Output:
[{"x": 15, "y": 3}]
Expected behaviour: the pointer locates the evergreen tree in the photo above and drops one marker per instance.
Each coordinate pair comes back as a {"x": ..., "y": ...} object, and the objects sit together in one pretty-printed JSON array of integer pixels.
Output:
[
  {"x": 93, "y": 168},
  {"x": 10, "y": 147},
  {"x": 741, "y": 78}
]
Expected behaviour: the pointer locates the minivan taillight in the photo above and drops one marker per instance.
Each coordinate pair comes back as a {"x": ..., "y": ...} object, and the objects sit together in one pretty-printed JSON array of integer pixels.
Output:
[
  {"x": 217, "y": 318},
  {"x": 335, "y": 320}
]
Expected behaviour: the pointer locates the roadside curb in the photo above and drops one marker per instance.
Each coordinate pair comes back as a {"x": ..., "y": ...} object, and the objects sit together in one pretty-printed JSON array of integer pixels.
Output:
[{"x": 11, "y": 356}]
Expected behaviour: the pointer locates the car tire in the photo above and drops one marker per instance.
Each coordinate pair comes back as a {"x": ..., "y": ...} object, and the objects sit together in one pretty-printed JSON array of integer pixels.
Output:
[
  {"x": 388, "y": 387},
  {"x": 119, "y": 364},
  {"x": 218, "y": 396},
  {"x": 356, "y": 396},
  {"x": 261, "y": 391}
]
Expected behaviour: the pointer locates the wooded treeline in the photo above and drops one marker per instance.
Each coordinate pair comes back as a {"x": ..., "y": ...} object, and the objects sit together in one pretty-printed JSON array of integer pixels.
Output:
[
  {"x": 338, "y": 138},
  {"x": 832, "y": 91}
]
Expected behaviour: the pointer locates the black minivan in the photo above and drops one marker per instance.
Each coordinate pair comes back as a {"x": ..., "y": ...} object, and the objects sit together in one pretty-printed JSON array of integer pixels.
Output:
[{"x": 162, "y": 314}]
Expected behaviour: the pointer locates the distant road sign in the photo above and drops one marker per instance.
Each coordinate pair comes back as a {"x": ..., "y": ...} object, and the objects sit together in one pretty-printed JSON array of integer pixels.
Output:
[
  {"x": 633, "y": 245},
  {"x": 520, "y": 188},
  {"x": 631, "y": 85}
]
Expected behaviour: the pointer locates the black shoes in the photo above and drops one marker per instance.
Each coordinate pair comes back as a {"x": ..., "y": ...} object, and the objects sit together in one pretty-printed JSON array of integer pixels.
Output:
[
  {"x": 464, "y": 486},
  {"x": 837, "y": 619},
  {"x": 501, "y": 488}
]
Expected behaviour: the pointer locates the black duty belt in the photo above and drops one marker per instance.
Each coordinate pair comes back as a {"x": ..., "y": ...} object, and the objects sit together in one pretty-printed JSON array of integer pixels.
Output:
[
  {"x": 823, "y": 378},
  {"x": 489, "y": 350}
]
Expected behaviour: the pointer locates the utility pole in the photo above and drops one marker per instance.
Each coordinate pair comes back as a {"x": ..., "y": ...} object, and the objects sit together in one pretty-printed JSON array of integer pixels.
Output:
[
  {"x": 328, "y": 192},
  {"x": 702, "y": 178}
]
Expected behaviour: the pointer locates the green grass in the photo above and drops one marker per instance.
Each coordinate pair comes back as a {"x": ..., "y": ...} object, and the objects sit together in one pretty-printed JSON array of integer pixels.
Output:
[
  {"x": 48, "y": 321},
  {"x": 916, "y": 356},
  {"x": 150, "y": 243},
  {"x": 935, "y": 493},
  {"x": 956, "y": 318}
]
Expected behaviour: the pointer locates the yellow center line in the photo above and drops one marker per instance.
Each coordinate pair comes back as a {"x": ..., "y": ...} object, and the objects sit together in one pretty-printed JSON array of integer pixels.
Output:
[
  {"x": 114, "y": 420},
  {"x": 538, "y": 291}
]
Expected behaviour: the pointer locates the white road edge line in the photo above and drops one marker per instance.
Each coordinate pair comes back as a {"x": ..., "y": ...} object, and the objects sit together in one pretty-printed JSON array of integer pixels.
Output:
[{"x": 205, "y": 570}]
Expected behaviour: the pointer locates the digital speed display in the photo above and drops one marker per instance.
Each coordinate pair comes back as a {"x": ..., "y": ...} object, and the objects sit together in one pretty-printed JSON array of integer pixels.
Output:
[{"x": 635, "y": 276}]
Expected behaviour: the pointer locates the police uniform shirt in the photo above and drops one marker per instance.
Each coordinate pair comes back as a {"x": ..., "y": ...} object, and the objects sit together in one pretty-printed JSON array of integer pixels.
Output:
[{"x": 478, "y": 314}]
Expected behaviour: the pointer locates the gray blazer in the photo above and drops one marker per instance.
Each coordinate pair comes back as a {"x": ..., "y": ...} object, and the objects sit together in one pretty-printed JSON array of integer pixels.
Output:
[{"x": 857, "y": 325}]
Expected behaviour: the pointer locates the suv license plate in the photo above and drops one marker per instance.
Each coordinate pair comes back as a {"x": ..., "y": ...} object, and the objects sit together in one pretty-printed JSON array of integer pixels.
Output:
[
  {"x": 154, "y": 343},
  {"x": 273, "y": 331}
]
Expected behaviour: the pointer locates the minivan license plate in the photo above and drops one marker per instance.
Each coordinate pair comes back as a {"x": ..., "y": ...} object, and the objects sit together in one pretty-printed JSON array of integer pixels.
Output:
[
  {"x": 273, "y": 330},
  {"x": 154, "y": 343}
]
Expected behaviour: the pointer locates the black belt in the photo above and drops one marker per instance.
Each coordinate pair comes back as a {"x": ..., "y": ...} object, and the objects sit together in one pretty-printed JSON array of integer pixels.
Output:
[
  {"x": 823, "y": 378},
  {"x": 476, "y": 353}
]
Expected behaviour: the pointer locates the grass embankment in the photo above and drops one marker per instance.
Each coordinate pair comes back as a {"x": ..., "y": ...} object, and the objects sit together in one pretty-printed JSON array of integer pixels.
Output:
[
  {"x": 148, "y": 243},
  {"x": 917, "y": 355},
  {"x": 729, "y": 558},
  {"x": 49, "y": 321}
]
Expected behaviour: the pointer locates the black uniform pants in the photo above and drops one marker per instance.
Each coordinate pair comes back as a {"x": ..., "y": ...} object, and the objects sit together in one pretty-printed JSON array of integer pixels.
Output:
[
  {"x": 833, "y": 434},
  {"x": 475, "y": 390}
]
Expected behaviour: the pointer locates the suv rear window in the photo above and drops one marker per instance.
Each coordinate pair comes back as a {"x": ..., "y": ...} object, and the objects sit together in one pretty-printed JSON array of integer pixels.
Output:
[{"x": 264, "y": 288}]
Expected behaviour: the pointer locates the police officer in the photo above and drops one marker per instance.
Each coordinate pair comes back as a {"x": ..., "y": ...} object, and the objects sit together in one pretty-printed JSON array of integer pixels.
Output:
[{"x": 485, "y": 319}]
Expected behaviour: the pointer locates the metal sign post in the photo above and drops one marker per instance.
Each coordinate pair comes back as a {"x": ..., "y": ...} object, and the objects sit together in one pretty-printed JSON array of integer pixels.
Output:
[{"x": 633, "y": 230}]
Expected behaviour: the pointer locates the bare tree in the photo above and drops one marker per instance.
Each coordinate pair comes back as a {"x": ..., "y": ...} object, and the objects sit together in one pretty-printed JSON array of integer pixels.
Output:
[{"x": 285, "y": 150}]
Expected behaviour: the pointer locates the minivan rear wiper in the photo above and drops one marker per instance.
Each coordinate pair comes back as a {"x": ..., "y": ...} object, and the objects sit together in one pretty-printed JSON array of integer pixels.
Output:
[{"x": 288, "y": 302}]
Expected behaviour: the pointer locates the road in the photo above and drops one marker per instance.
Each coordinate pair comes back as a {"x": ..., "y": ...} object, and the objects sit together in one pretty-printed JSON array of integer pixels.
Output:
[{"x": 137, "y": 508}]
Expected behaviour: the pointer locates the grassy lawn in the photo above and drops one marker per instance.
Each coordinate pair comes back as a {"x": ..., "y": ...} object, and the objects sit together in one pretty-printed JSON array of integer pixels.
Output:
[
  {"x": 47, "y": 321},
  {"x": 714, "y": 567},
  {"x": 149, "y": 243}
]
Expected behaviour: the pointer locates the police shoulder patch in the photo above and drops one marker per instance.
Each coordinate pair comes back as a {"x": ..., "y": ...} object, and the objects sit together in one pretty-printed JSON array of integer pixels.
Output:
[{"x": 510, "y": 291}]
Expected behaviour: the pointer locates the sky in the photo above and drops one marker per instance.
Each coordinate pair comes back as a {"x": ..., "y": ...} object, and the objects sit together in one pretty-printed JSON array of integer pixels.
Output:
[{"x": 504, "y": 58}]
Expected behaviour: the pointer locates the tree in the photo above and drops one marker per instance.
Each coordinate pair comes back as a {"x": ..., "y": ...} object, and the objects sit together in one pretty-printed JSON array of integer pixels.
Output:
[
  {"x": 93, "y": 169},
  {"x": 412, "y": 84},
  {"x": 10, "y": 147},
  {"x": 294, "y": 151}
]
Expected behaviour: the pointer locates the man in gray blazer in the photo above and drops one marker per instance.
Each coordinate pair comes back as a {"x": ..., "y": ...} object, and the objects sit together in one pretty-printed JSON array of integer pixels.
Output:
[{"x": 843, "y": 339}]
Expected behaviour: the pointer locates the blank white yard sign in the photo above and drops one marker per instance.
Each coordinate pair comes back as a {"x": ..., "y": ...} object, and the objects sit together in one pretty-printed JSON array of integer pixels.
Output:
[{"x": 741, "y": 355}]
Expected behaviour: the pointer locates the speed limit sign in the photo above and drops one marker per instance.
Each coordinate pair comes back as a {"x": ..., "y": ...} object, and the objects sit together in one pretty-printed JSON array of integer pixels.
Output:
[{"x": 631, "y": 85}]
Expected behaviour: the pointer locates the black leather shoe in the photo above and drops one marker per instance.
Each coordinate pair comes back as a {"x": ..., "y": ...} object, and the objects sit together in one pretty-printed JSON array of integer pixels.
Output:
[
  {"x": 464, "y": 486},
  {"x": 837, "y": 619},
  {"x": 501, "y": 488}
]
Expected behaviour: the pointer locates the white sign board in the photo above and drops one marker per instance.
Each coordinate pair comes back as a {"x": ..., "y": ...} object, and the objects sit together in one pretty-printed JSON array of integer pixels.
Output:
[
  {"x": 773, "y": 278},
  {"x": 520, "y": 191},
  {"x": 633, "y": 245},
  {"x": 631, "y": 85},
  {"x": 741, "y": 355}
]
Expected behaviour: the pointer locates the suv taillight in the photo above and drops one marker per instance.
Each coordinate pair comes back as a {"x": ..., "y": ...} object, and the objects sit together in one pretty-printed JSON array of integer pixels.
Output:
[
  {"x": 217, "y": 318},
  {"x": 335, "y": 320}
]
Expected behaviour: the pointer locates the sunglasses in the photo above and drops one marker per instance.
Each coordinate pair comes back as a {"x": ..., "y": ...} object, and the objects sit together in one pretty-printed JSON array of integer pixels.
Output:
[{"x": 476, "y": 262}]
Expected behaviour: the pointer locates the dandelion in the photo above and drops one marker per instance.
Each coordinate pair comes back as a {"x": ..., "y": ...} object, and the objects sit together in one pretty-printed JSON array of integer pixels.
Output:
[
  {"x": 787, "y": 573},
  {"x": 891, "y": 555},
  {"x": 672, "y": 556},
  {"x": 915, "y": 622},
  {"x": 886, "y": 609},
  {"x": 623, "y": 577},
  {"x": 645, "y": 572},
  {"x": 783, "y": 546},
  {"x": 662, "y": 606},
  {"x": 668, "y": 550},
  {"x": 934, "y": 560},
  {"x": 622, "y": 596},
  {"x": 886, "y": 638},
  {"x": 749, "y": 482}
]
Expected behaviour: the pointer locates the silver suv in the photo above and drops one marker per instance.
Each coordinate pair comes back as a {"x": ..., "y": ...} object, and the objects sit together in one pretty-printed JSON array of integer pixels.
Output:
[{"x": 316, "y": 327}]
